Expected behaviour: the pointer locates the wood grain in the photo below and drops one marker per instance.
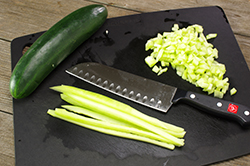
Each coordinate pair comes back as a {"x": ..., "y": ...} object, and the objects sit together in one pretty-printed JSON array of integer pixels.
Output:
[
  {"x": 5, "y": 65},
  {"x": 237, "y": 11},
  {"x": 6, "y": 139},
  {"x": 27, "y": 17},
  {"x": 244, "y": 44},
  {"x": 24, "y": 17}
]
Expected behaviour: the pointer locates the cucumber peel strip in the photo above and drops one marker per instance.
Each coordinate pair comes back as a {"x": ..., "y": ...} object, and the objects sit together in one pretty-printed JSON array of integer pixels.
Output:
[{"x": 106, "y": 115}]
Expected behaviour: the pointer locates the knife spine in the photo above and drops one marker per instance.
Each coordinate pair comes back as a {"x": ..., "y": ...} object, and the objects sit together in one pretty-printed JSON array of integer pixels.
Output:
[{"x": 117, "y": 89}]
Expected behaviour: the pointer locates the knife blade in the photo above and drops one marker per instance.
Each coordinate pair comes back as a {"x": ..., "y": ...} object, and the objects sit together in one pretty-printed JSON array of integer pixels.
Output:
[{"x": 154, "y": 94}]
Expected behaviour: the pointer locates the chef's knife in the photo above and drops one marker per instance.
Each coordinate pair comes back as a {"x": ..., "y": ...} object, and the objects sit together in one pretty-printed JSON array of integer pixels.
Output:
[{"x": 154, "y": 94}]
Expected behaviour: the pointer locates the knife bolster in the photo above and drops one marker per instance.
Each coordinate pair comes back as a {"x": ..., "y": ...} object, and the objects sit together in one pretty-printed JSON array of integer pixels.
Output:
[{"x": 179, "y": 95}]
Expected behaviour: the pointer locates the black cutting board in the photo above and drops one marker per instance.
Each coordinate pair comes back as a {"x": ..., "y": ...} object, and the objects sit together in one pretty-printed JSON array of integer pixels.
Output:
[{"x": 43, "y": 140}]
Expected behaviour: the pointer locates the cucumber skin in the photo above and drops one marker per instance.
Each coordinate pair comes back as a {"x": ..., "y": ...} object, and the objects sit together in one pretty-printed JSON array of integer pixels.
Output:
[{"x": 51, "y": 48}]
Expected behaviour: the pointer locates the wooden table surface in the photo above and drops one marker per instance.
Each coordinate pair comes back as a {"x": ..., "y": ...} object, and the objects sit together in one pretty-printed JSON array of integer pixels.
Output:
[{"x": 18, "y": 18}]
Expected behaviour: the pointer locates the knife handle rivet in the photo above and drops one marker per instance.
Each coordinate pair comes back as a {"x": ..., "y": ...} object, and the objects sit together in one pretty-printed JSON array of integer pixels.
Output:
[
  {"x": 219, "y": 104},
  {"x": 192, "y": 96},
  {"x": 246, "y": 112}
]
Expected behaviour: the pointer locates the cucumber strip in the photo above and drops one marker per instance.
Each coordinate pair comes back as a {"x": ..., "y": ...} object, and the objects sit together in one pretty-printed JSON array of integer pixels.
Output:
[
  {"x": 116, "y": 114},
  {"x": 106, "y": 115},
  {"x": 98, "y": 98},
  {"x": 111, "y": 129},
  {"x": 102, "y": 117},
  {"x": 94, "y": 114}
]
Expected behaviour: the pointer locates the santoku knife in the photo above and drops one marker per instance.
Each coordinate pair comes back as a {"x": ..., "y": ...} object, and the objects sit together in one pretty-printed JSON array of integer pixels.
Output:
[{"x": 154, "y": 94}]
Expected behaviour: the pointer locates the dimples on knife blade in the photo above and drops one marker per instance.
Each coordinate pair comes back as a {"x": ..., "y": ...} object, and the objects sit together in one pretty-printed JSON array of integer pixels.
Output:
[{"x": 141, "y": 90}]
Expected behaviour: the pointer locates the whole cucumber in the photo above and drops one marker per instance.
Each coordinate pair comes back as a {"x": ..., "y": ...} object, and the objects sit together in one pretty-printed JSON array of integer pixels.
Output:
[{"x": 52, "y": 47}]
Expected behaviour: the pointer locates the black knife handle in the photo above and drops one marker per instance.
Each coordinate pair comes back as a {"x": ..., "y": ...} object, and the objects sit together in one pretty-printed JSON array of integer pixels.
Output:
[{"x": 223, "y": 108}]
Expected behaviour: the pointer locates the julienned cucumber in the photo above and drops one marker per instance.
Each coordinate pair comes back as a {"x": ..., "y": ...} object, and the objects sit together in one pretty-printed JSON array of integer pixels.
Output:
[{"x": 50, "y": 49}]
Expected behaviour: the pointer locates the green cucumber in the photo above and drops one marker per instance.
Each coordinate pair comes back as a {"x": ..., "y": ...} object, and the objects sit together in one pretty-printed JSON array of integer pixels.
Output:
[{"x": 50, "y": 49}]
